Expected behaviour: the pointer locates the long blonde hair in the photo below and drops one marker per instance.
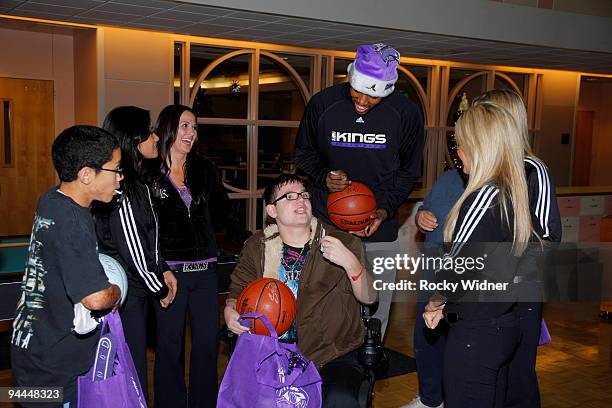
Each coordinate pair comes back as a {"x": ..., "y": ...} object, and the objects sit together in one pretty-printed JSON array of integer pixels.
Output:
[
  {"x": 514, "y": 104},
  {"x": 484, "y": 133}
]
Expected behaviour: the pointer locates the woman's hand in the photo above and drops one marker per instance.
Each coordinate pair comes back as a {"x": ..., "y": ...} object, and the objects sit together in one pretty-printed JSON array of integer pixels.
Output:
[
  {"x": 426, "y": 220},
  {"x": 433, "y": 313},
  {"x": 170, "y": 281}
]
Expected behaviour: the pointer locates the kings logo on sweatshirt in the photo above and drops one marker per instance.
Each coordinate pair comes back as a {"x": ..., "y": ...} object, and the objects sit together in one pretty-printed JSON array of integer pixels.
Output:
[{"x": 358, "y": 140}]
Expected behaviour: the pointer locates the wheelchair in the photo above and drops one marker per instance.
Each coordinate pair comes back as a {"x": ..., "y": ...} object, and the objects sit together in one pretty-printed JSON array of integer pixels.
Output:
[
  {"x": 371, "y": 355},
  {"x": 371, "y": 358}
]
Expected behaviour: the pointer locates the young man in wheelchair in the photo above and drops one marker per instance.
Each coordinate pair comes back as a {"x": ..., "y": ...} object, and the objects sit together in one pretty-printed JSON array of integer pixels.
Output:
[{"x": 325, "y": 269}]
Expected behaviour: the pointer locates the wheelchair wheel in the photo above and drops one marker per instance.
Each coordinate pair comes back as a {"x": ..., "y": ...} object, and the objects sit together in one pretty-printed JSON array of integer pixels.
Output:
[{"x": 366, "y": 390}]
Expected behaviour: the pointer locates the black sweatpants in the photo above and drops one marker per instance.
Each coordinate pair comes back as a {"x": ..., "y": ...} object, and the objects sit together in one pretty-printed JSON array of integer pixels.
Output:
[
  {"x": 522, "y": 382},
  {"x": 196, "y": 295},
  {"x": 134, "y": 319},
  {"x": 476, "y": 352},
  {"x": 342, "y": 379},
  {"x": 429, "y": 348}
]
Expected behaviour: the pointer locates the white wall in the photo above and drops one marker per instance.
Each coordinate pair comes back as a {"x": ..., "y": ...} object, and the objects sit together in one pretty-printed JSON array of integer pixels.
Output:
[
  {"x": 597, "y": 97},
  {"x": 86, "y": 77},
  {"x": 42, "y": 55},
  {"x": 137, "y": 69},
  {"x": 559, "y": 93}
]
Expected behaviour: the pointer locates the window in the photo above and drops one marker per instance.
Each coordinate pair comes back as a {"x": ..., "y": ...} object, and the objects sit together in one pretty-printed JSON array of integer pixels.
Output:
[
  {"x": 249, "y": 131},
  {"x": 178, "y": 67},
  {"x": 223, "y": 90},
  {"x": 471, "y": 88},
  {"x": 274, "y": 153},
  {"x": 340, "y": 70},
  {"x": 227, "y": 147},
  {"x": 280, "y": 95},
  {"x": 511, "y": 80}
]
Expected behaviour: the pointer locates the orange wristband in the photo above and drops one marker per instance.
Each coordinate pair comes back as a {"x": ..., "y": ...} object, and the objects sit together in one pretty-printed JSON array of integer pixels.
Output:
[{"x": 356, "y": 277}]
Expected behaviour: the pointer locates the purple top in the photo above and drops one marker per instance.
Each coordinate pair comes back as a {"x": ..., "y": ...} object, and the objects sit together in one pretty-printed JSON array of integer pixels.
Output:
[
  {"x": 183, "y": 191},
  {"x": 185, "y": 195}
]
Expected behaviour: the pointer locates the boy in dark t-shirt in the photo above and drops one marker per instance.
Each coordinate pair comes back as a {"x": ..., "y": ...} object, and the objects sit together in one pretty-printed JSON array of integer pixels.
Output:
[{"x": 63, "y": 267}]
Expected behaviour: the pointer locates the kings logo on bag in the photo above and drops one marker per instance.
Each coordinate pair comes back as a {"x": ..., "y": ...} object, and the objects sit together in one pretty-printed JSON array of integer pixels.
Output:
[{"x": 291, "y": 397}]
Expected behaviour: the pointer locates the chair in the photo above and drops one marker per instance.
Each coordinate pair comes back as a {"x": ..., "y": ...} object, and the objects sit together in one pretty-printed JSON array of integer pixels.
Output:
[{"x": 370, "y": 357}]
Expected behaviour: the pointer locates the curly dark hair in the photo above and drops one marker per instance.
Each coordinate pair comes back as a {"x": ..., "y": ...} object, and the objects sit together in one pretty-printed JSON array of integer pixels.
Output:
[
  {"x": 271, "y": 189},
  {"x": 81, "y": 146}
]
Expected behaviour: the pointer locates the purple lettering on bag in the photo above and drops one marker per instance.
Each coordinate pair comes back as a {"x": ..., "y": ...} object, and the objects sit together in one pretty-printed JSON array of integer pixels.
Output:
[{"x": 112, "y": 381}]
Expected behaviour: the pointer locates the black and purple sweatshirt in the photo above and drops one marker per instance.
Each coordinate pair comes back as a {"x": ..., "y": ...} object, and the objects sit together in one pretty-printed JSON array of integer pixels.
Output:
[{"x": 382, "y": 149}]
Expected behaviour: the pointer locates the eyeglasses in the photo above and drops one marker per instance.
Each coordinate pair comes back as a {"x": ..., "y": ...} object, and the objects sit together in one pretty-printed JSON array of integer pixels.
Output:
[
  {"x": 292, "y": 196},
  {"x": 118, "y": 172}
]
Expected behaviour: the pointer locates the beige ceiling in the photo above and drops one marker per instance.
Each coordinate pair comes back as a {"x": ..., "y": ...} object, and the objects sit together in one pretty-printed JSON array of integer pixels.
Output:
[{"x": 176, "y": 17}]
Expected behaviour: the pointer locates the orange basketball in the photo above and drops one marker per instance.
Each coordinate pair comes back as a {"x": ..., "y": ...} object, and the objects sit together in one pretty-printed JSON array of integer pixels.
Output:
[
  {"x": 273, "y": 299},
  {"x": 350, "y": 209}
]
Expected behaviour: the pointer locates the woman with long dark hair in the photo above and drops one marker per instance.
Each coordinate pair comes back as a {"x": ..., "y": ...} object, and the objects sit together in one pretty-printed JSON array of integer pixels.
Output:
[
  {"x": 191, "y": 201},
  {"x": 128, "y": 230}
]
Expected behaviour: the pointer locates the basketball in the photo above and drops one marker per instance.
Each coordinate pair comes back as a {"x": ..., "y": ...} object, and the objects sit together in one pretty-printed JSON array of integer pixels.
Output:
[
  {"x": 115, "y": 274},
  {"x": 351, "y": 208},
  {"x": 273, "y": 299}
]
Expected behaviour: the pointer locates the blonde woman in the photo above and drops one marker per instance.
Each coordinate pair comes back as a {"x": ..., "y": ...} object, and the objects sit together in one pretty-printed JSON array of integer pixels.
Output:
[
  {"x": 491, "y": 217},
  {"x": 522, "y": 382},
  {"x": 542, "y": 198}
]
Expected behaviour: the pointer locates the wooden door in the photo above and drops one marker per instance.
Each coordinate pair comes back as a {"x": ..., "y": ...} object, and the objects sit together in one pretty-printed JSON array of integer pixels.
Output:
[
  {"x": 26, "y": 135},
  {"x": 583, "y": 154}
]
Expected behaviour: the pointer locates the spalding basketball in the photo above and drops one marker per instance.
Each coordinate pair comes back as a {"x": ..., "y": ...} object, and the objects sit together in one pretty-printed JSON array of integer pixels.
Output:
[
  {"x": 351, "y": 208},
  {"x": 115, "y": 274},
  {"x": 273, "y": 299}
]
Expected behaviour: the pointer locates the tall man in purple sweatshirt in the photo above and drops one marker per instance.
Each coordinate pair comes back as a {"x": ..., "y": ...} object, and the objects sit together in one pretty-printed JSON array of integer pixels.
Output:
[{"x": 364, "y": 130}]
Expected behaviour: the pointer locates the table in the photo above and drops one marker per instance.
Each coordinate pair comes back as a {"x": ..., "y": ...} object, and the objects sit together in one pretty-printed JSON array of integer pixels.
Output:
[{"x": 13, "y": 257}]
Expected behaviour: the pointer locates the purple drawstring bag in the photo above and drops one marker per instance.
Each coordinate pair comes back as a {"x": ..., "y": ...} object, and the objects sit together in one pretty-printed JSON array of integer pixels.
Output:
[
  {"x": 266, "y": 373},
  {"x": 112, "y": 381},
  {"x": 544, "y": 334}
]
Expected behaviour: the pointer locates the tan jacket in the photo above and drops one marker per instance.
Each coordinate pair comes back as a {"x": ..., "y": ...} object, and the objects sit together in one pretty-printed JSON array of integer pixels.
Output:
[{"x": 328, "y": 318}]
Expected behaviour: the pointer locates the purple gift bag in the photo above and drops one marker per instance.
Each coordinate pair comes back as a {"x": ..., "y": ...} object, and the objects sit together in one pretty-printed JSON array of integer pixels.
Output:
[
  {"x": 266, "y": 373},
  {"x": 544, "y": 334},
  {"x": 112, "y": 381}
]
